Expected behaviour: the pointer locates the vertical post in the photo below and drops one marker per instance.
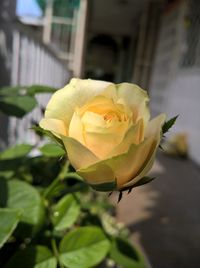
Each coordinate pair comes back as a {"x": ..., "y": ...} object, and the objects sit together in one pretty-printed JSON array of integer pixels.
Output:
[
  {"x": 138, "y": 66},
  {"x": 150, "y": 46},
  {"x": 15, "y": 58},
  {"x": 7, "y": 16},
  {"x": 80, "y": 39},
  {"x": 48, "y": 21}
]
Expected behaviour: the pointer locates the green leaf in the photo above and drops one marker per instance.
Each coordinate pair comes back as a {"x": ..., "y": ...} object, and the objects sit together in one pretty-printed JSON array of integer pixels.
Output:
[
  {"x": 35, "y": 89},
  {"x": 65, "y": 212},
  {"x": 8, "y": 223},
  {"x": 7, "y": 174},
  {"x": 124, "y": 254},
  {"x": 24, "y": 197},
  {"x": 17, "y": 105},
  {"x": 13, "y": 91},
  {"x": 24, "y": 90},
  {"x": 16, "y": 151},
  {"x": 168, "y": 124},
  {"x": 33, "y": 257},
  {"x": 52, "y": 150},
  {"x": 83, "y": 247}
]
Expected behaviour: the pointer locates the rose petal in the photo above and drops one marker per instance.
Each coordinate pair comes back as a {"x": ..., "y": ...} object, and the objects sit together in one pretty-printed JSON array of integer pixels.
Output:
[
  {"x": 134, "y": 135},
  {"x": 78, "y": 155},
  {"x": 99, "y": 173},
  {"x": 124, "y": 166},
  {"x": 64, "y": 101},
  {"x": 154, "y": 128},
  {"x": 129, "y": 165},
  {"x": 57, "y": 127},
  {"x": 136, "y": 98},
  {"x": 102, "y": 105},
  {"x": 100, "y": 136},
  {"x": 136, "y": 162},
  {"x": 76, "y": 128}
]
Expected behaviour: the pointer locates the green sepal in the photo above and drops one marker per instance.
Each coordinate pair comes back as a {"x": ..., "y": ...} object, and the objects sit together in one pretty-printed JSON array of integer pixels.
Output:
[
  {"x": 120, "y": 196},
  {"x": 40, "y": 131},
  {"x": 105, "y": 187},
  {"x": 141, "y": 182},
  {"x": 168, "y": 124}
]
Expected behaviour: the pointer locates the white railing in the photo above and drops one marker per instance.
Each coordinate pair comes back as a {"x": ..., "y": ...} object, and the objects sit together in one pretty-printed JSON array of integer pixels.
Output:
[{"x": 33, "y": 63}]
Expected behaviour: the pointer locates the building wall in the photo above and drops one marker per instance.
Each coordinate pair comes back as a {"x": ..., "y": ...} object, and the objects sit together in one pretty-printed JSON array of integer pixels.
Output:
[{"x": 175, "y": 79}]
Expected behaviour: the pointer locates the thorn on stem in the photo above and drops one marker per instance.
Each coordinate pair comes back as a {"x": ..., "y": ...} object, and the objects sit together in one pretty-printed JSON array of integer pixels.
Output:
[
  {"x": 60, "y": 159},
  {"x": 120, "y": 196},
  {"x": 129, "y": 190},
  {"x": 160, "y": 146}
]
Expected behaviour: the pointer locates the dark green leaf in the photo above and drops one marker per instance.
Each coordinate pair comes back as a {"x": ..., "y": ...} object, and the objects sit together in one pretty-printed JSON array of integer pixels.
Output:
[
  {"x": 26, "y": 90},
  {"x": 17, "y": 105},
  {"x": 12, "y": 91},
  {"x": 124, "y": 254},
  {"x": 168, "y": 124},
  {"x": 35, "y": 89},
  {"x": 9, "y": 219},
  {"x": 7, "y": 174},
  {"x": 16, "y": 151},
  {"x": 52, "y": 150},
  {"x": 83, "y": 247},
  {"x": 24, "y": 197},
  {"x": 33, "y": 257}
]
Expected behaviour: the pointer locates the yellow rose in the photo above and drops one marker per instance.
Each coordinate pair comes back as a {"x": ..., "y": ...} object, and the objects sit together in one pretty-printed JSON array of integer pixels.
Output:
[{"x": 106, "y": 131}]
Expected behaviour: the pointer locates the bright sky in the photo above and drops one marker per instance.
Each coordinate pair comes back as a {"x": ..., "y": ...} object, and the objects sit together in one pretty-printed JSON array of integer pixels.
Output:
[{"x": 28, "y": 8}]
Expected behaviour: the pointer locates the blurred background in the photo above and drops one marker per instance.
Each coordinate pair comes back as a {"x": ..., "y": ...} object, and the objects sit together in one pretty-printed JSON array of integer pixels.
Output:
[{"x": 153, "y": 43}]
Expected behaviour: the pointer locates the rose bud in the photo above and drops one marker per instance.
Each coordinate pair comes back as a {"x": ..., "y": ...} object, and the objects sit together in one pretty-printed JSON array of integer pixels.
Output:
[{"x": 106, "y": 131}]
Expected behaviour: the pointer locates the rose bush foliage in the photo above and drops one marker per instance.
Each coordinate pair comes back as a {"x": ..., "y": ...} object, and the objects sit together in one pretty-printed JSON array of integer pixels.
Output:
[{"x": 106, "y": 131}]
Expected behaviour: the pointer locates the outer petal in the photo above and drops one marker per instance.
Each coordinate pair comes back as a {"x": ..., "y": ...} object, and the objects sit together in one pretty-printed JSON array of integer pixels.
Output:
[
  {"x": 57, "y": 127},
  {"x": 76, "y": 128},
  {"x": 154, "y": 128},
  {"x": 100, "y": 176},
  {"x": 64, "y": 101},
  {"x": 79, "y": 155},
  {"x": 123, "y": 166},
  {"x": 133, "y": 164},
  {"x": 129, "y": 165},
  {"x": 136, "y": 98}
]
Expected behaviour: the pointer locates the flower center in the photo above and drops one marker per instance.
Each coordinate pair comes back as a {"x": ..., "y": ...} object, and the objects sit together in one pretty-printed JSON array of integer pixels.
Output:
[{"x": 100, "y": 125}]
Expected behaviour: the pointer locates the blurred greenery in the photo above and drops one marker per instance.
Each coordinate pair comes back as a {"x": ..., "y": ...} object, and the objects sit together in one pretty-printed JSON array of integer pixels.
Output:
[{"x": 49, "y": 216}]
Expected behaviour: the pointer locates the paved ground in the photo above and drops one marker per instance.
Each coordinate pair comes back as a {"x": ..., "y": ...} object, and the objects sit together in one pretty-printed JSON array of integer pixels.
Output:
[{"x": 164, "y": 216}]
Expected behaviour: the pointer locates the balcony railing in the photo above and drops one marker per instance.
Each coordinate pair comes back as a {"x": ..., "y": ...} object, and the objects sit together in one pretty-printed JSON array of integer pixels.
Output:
[{"x": 30, "y": 62}]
